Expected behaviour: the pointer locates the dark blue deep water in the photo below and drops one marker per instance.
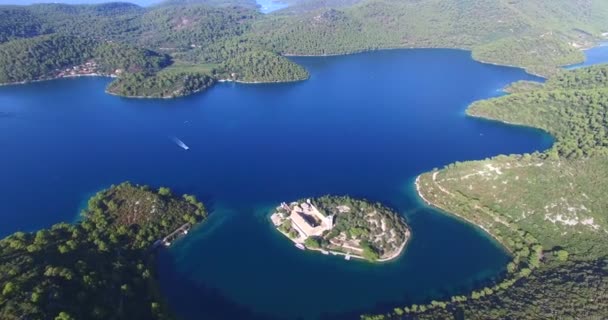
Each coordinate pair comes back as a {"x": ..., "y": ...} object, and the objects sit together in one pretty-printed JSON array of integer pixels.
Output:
[{"x": 363, "y": 125}]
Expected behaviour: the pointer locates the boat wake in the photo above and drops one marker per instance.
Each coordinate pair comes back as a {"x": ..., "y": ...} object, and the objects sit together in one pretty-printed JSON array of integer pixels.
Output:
[{"x": 180, "y": 143}]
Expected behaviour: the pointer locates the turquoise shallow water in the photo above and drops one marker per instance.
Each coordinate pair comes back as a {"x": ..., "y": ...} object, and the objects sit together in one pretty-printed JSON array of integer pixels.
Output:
[{"x": 363, "y": 125}]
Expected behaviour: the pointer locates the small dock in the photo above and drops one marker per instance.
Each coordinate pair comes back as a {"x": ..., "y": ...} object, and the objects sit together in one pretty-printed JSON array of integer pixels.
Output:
[{"x": 179, "y": 232}]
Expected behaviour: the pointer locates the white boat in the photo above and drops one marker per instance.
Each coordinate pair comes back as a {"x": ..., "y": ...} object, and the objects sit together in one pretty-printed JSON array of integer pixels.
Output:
[
  {"x": 300, "y": 246},
  {"x": 325, "y": 252},
  {"x": 347, "y": 257},
  {"x": 180, "y": 143}
]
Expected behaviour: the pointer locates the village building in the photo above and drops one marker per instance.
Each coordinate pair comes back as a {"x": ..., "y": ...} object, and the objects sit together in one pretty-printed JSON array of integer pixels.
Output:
[{"x": 308, "y": 220}]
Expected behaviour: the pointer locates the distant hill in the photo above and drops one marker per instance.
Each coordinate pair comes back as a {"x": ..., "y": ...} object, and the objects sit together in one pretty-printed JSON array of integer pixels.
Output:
[
  {"x": 555, "y": 30},
  {"x": 222, "y": 35},
  {"x": 214, "y": 3},
  {"x": 28, "y": 2}
]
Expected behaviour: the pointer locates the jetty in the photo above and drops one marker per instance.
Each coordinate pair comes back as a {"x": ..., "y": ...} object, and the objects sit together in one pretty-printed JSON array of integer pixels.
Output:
[{"x": 179, "y": 232}]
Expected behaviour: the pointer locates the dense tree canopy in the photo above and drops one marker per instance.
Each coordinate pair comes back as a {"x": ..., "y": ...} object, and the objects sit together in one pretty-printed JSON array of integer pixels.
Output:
[
  {"x": 537, "y": 35},
  {"x": 45, "y": 56},
  {"x": 99, "y": 268},
  {"x": 161, "y": 85}
]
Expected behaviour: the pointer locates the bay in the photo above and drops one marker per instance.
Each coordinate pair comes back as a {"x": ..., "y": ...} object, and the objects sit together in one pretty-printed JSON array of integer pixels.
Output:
[{"x": 364, "y": 125}]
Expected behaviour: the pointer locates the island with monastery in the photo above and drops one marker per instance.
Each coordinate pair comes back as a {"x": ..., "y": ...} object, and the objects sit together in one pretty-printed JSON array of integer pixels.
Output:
[{"x": 343, "y": 226}]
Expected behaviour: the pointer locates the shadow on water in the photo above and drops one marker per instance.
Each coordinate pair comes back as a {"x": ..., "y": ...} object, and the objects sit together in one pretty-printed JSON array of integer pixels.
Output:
[
  {"x": 407, "y": 300},
  {"x": 249, "y": 151},
  {"x": 211, "y": 304}
]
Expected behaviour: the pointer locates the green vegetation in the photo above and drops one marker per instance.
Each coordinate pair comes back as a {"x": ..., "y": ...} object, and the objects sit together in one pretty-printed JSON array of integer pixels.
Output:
[
  {"x": 214, "y": 3},
  {"x": 101, "y": 33},
  {"x": 18, "y": 22},
  {"x": 536, "y": 35},
  {"x": 46, "y": 56},
  {"x": 531, "y": 52},
  {"x": 99, "y": 268},
  {"x": 179, "y": 28},
  {"x": 572, "y": 107},
  {"x": 377, "y": 229},
  {"x": 262, "y": 66},
  {"x": 162, "y": 85},
  {"x": 359, "y": 228},
  {"x": 313, "y": 242},
  {"x": 548, "y": 209},
  {"x": 523, "y": 86},
  {"x": 245, "y": 45}
]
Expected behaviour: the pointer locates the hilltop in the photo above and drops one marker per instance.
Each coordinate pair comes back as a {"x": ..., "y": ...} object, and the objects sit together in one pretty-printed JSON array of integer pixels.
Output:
[{"x": 230, "y": 40}]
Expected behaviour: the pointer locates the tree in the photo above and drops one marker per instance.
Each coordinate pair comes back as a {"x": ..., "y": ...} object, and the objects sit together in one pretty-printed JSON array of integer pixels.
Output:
[
  {"x": 312, "y": 242},
  {"x": 63, "y": 316},
  {"x": 8, "y": 289},
  {"x": 562, "y": 255},
  {"x": 166, "y": 192}
]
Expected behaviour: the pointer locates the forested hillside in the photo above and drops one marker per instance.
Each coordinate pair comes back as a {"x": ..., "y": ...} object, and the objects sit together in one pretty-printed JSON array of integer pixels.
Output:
[
  {"x": 48, "y": 39},
  {"x": 537, "y": 35},
  {"x": 179, "y": 28},
  {"x": 261, "y": 66},
  {"x": 100, "y": 268},
  {"x": 18, "y": 22},
  {"x": 46, "y": 56},
  {"x": 548, "y": 209},
  {"x": 251, "y": 4},
  {"x": 162, "y": 85}
]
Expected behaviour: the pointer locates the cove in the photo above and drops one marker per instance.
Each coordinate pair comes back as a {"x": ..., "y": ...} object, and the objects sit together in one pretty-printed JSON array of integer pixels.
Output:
[
  {"x": 593, "y": 56},
  {"x": 364, "y": 125}
]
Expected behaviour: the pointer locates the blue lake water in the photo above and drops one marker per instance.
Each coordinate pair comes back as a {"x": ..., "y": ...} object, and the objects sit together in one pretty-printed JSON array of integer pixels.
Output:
[
  {"x": 593, "y": 56},
  {"x": 363, "y": 125}
]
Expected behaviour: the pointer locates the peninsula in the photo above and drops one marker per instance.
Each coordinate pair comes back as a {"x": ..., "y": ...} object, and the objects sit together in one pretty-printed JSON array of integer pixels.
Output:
[
  {"x": 548, "y": 209},
  {"x": 197, "y": 43},
  {"x": 102, "y": 267},
  {"x": 343, "y": 226}
]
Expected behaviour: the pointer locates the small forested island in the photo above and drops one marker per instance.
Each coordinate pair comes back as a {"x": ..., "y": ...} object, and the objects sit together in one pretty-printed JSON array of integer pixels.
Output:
[
  {"x": 101, "y": 267},
  {"x": 343, "y": 226},
  {"x": 162, "y": 85}
]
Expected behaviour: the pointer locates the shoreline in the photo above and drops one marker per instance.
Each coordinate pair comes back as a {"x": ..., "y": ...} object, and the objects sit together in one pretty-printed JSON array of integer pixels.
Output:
[
  {"x": 295, "y": 55},
  {"x": 549, "y": 134},
  {"x": 204, "y": 89},
  {"x": 458, "y": 216},
  {"x": 470, "y": 50},
  {"x": 392, "y": 257},
  {"x": 262, "y": 82},
  {"x": 101, "y": 75},
  {"x": 164, "y": 98},
  {"x": 339, "y": 253}
]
